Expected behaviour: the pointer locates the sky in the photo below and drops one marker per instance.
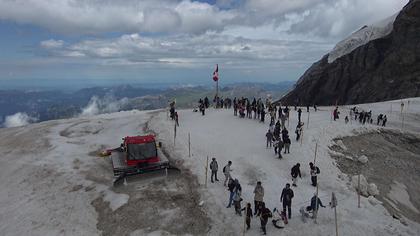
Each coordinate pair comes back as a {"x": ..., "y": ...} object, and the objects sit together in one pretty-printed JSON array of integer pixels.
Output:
[{"x": 159, "y": 41}]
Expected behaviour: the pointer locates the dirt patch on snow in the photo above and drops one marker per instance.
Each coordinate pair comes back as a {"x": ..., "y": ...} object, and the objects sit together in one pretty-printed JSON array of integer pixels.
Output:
[
  {"x": 155, "y": 202},
  {"x": 393, "y": 165}
]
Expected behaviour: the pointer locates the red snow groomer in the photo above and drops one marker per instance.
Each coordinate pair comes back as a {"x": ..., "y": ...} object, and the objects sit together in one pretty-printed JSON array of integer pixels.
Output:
[{"x": 137, "y": 155}]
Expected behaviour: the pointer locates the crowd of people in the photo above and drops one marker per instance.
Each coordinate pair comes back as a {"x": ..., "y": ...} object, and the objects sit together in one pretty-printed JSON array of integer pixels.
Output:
[
  {"x": 260, "y": 209},
  {"x": 277, "y": 137}
]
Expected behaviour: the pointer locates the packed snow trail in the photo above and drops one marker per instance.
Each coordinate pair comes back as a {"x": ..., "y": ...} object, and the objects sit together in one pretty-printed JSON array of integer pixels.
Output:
[{"x": 221, "y": 135}]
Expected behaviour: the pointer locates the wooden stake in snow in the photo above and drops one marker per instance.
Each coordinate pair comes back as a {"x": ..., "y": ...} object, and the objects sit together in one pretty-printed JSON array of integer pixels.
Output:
[
  {"x": 358, "y": 191},
  {"x": 207, "y": 169},
  {"x": 334, "y": 205},
  {"x": 316, "y": 149},
  {"x": 315, "y": 211},
  {"x": 174, "y": 133},
  {"x": 189, "y": 145},
  {"x": 307, "y": 123},
  {"x": 243, "y": 232},
  {"x": 301, "y": 137}
]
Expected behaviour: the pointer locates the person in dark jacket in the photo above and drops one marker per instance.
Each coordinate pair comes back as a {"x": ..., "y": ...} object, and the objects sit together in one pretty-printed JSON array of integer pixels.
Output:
[
  {"x": 214, "y": 167},
  {"x": 231, "y": 188},
  {"x": 295, "y": 172},
  {"x": 299, "y": 114},
  {"x": 286, "y": 199},
  {"x": 287, "y": 143},
  {"x": 269, "y": 137},
  {"x": 264, "y": 214},
  {"x": 248, "y": 214},
  {"x": 315, "y": 204}
]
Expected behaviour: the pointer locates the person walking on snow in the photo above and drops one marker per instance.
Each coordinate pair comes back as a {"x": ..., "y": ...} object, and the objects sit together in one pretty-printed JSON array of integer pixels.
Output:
[
  {"x": 314, "y": 170},
  {"x": 295, "y": 172},
  {"x": 298, "y": 131},
  {"x": 299, "y": 114},
  {"x": 286, "y": 199},
  {"x": 237, "y": 197},
  {"x": 248, "y": 213},
  {"x": 384, "y": 121},
  {"x": 278, "y": 146},
  {"x": 283, "y": 121},
  {"x": 231, "y": 188},
  {"x": 264, "y": 214},
  {"x": 315, "y": 203},
  {"x": 214, "y": 168},
  {"x": 269, "y": 137},
  {"x": 226, "y": 172},
  {"x": 287, "y": 143},
  {"x": 258, "y": 197}
]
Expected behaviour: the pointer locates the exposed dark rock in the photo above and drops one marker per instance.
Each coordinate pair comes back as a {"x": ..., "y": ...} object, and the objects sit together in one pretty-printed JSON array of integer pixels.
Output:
[{"x": 383, "y": 69}]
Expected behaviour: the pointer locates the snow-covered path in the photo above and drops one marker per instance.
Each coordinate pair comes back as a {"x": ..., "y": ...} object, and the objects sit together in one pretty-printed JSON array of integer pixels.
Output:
[{"x": 220, "y": 134}]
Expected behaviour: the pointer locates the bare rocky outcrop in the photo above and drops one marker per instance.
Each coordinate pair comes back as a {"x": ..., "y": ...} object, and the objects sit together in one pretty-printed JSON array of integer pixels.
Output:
[{"x": 383, "y": 69}]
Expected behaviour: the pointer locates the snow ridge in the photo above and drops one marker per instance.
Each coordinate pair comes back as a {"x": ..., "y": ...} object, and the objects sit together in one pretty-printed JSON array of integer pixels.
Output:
[{"x": 362, "y": 37}]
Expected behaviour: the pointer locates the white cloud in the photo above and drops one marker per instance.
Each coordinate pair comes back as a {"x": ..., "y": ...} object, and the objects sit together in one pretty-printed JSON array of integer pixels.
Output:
[
  {"x": 52, "y": 44},
  {"x": 102, "y": 105},
  {"x": 18, "y": 119}
]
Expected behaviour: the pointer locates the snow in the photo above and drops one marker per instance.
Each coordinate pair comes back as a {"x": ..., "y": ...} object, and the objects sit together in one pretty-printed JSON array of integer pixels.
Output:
[
  {"x": 361, "y": 37},
  {"x": 399, "y": 194},
  {"x": 47, "y": 186},
  {"x": 221, "y": 135}
]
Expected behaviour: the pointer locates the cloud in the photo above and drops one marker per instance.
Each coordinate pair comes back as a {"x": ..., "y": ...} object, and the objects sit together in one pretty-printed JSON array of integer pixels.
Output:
[
  {"x": 128, "y": 16},
  {"x": 18, "y": 119},
  {"x": 194, "y": 51},
  {"x": 106, "y": 104},
  {"x": 52, "y": 44}
]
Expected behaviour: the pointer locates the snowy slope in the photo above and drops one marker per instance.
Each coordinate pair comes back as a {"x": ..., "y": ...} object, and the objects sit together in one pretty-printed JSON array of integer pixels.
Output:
[
  {"x": 361, "y": 37},
  {"x": 219, "y": 134},
  {"x": 52, "y": 179}
]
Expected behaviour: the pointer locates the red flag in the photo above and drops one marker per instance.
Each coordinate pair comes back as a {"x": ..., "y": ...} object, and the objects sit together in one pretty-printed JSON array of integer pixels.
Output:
[{"x": 216, "y": 73}]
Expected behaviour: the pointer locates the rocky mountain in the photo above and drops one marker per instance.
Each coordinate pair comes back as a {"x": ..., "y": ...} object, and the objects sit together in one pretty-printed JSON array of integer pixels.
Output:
[{"x": 376, "y": 63}]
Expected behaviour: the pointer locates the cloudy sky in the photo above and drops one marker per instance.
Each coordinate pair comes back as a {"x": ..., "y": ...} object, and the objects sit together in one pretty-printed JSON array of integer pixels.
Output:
[{"x": 175, "y": 40}]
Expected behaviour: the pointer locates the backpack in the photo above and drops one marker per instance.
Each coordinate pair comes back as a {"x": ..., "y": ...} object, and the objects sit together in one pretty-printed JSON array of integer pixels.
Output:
[{"x": 317, "y": 170}]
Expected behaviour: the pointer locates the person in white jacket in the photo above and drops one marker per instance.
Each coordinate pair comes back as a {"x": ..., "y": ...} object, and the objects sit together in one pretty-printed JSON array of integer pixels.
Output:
[{"x": 226, "y": 171}]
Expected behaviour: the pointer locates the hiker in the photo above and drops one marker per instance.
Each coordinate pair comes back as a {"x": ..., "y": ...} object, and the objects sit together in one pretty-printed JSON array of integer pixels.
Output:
[
  {"x": 384, "y": 121},
  {"x": 314, "y": 170},
  {"x": 278, "y": 146},
  {"x": 380, "y": 117},
  {"x": 307, "y": 108},
  {"x": 287, "y": 143},
  {"x": 298, "y": 131},
  {"x": 237, "y": 197},
  {"x": 299, "y": 114},
  {"x": 295, "y": 172},
  {"x": 346, "y": 120},
  {"x": 231, "y": 188},
  {"x": 284, "y": 133},
  {"x": 264, "y": 214},
  {"x": 336, "y": 113},
  {"x": 176, "y": 119},
  {"x": 262, "y": 115},
  {"x": 315, "y": 108},
  {"x": 283, "y": 121},
  {"x": 314, "y": 204},
  {"x": 202, "y": 109},
  {"x": 206, "y": 102},
  {"x": 214, "y": 167},
  {"x": 258, "y": 197},
  {"x": 226, "y": 171},
  {"x": 248, "y": 214},
  {"x": 286, "y": 199},
  {"x": 269, "y": 137}
]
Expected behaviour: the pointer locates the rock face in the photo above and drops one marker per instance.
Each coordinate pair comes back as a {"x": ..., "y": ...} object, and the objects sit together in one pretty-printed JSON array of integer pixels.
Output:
[{"x": 382, "y": 69}]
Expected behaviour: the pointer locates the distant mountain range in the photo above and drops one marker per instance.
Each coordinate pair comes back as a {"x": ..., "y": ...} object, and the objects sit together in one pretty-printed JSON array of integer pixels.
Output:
[
  {"x": 376, "y": 63},
  {"x": 42, "y": 105}
]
